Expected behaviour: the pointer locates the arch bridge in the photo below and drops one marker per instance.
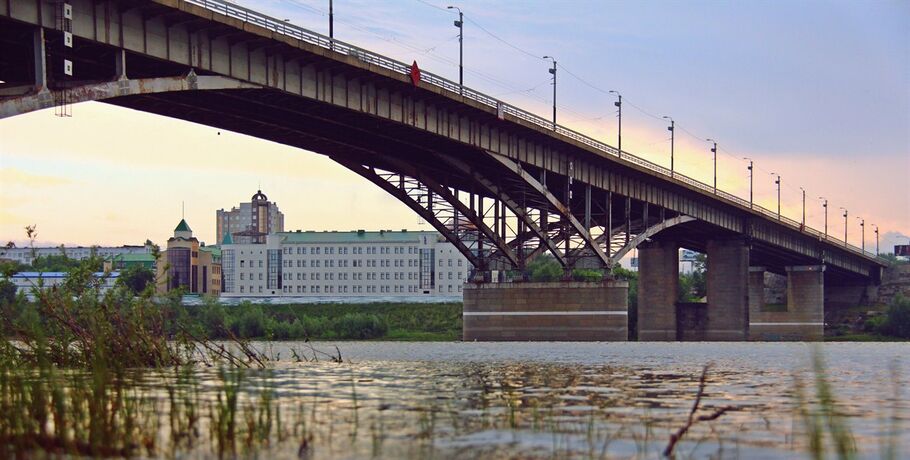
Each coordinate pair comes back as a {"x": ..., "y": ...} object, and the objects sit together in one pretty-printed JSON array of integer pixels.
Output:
[{"x": 503, "y": 185}]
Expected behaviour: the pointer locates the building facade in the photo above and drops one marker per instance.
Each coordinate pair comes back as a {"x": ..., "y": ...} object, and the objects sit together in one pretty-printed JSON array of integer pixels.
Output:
[
  {"x": 27, "y": 255},
  {"x": 260, "y": 217},
  {"x": 344, "y": 264},
  {"x": 188, "y": 264},
  {"x": 28, "y": 282}
]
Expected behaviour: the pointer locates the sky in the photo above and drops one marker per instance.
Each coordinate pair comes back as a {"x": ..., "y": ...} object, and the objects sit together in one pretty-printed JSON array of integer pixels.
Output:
[{"x": 816, "y": 91}]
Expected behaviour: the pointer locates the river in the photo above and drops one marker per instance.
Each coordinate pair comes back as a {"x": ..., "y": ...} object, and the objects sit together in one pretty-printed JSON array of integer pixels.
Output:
[{"x": 585, "y": 400}]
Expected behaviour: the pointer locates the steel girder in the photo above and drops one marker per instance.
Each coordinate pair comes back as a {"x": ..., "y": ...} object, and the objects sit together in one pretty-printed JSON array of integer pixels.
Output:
[
  {"x": 536, "y": 228},
  {"x": 572, "y": 226},
  {"x": 442, "y": 208}
]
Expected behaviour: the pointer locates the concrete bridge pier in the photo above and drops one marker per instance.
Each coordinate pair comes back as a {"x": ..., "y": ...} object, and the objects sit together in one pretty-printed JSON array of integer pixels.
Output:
[
  {"x": 804, "y": 317},
  {"x": 728, "y": 290},
  {"x": 658, "y": 280},
  {"x": 556, "y": 311}
]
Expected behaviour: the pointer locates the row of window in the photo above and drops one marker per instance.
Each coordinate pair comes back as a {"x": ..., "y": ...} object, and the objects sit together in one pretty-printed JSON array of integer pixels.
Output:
[
  {"x": 354, "y": 250},
  {"x": 327, "y": 289},
  {"x": 300, "y": 276}
]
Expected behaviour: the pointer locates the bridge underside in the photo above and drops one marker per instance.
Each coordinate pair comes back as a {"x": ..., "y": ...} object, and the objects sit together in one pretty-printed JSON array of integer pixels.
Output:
[{"x": 501, "y": 185}]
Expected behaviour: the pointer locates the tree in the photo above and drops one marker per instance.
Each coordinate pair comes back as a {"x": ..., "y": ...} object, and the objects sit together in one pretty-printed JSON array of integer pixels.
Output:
[
  {"x": 7, "y": 292},
  {"x": 897, "y": 321},
  {"x": 136, "y": 278},
  {"x": 10, "y": 245},
  {"x": 545, "y": 268}
]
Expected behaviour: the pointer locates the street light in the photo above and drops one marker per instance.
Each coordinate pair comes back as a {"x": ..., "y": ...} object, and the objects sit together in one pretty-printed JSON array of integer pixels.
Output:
[
  {"x": 750, "y": 180},
  {"x": 777, "y": 182},
  {"x": 553, "y": 72},
  {"x": 862, "y": 226},
  {"x": 714, "y": 151},
  {"x": 331, "y": 26},
  {"x": 876, "y": 238},
  {"x": 825, "y": 205},
  {"x": 672, "y": 129},
  {"x": 803, "y": 226},
  {"x": 845, "y": 225},
  {"x": 618, "y": 105},
  {"x": 460, "y": 24}
]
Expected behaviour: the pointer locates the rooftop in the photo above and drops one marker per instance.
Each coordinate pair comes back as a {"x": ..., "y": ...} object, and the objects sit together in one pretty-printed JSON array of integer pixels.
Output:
[
  {"x": 183, "y": 226},
  {"x": 355, "y": 236}
]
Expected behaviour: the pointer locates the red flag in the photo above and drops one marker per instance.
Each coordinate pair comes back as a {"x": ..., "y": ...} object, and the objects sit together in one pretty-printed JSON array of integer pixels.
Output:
[{"x": 415, "y": 73}]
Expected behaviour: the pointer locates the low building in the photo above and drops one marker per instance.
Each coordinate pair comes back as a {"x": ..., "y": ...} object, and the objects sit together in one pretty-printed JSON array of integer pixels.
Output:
[
  {"x": 27, "y": 282},
  {"x": 344, "y": 264},
  {"x": 125, "y": 261},
  {"x": 27, "y": 255},
  {"x": 189, "y": 265}
]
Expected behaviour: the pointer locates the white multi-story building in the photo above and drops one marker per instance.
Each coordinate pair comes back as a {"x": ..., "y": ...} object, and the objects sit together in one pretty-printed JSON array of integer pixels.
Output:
[
  {"x": 260, "y": 216},
  {"x": 356, "y": 263},
  {"x": 26, "y": 255},
  {"x": 28, "y": 282}
]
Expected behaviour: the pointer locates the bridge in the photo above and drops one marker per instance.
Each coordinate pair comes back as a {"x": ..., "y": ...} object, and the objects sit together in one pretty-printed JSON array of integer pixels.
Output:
[{"x": 502, "y": 184}]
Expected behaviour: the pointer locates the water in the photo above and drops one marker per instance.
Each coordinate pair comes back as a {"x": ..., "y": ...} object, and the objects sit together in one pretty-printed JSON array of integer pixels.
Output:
[
  {"x": 526, "y": 400},
  {"x": 588, "y": 400}
]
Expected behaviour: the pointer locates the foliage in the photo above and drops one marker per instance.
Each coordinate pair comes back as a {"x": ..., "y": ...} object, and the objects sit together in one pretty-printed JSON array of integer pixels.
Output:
[
  {"x": 7, "y": 292},
  {"x": 326, "y": 321},
  {"x": 892, "y": 259},
  {"x": 897, "y": 319},
  {"x": 544, "y": 268},
  {"x": 584, "y": 274},
  {"x": 693, "y": 286},
  {"x": 9, "y": 268},
  {"x": 136, "y": 278}
]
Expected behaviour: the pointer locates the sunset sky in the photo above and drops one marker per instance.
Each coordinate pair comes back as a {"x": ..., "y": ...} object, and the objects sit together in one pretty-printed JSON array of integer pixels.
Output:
[{"x": 817, "y": 91}]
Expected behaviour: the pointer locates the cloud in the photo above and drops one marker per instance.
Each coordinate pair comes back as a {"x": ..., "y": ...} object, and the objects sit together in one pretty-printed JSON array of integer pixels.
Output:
[{"x": 23, "y": 179}]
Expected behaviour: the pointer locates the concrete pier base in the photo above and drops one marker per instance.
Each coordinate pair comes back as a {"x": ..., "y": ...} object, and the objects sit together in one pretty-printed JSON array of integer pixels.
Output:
[
  {"x": 658, "y": 278},
  {"x": 559, "y": 311},
  {"x": 804, "y": 319},
  {"x": 728, "y": 291}
]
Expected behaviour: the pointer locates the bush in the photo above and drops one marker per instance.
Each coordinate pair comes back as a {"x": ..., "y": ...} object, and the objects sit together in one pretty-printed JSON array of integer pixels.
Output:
[
  {"x": 897, "y": 321},
  {"x": 360, "y": 326},
  {"x": 544, "y": 268}
]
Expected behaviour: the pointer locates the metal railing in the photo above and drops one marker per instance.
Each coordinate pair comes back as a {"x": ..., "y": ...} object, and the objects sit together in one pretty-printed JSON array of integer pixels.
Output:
[{"x": 291, "y": 30}]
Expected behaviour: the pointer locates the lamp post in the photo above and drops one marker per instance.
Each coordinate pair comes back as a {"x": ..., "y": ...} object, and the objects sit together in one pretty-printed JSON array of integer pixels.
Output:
[
  {"x": 862, "y": 226},
  {"x": 750, "y": 180},
  {"x": 714, "y": 151},
  {"x": 876, "y": 238},
  {"x": 845, "y": 226},
  {"x": 618, "y": 105},
  {"x": 331, "y": 26},
  {"x": 777, "y": 182},
  {"x": 460, "y": 24},
  {"x": 804, "y": 209},
  {"x": 825, "y": 205},
  {"x": 672, "y": 129},
  {"x": 553, "y": 72}
]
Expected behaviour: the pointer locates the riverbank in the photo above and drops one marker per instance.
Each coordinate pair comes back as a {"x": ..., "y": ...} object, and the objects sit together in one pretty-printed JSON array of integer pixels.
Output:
[{"x": 396, "y": 321}]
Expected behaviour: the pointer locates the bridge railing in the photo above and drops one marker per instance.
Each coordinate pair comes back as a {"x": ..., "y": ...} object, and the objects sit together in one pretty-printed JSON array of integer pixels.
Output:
[{"x": 285, "y": 28}]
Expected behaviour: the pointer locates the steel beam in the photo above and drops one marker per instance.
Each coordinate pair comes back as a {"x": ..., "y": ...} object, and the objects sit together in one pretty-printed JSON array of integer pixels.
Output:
[{"x": 561, "y": 208}]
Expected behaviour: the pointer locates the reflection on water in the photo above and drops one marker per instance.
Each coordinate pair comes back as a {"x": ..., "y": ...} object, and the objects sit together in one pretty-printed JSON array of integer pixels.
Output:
[{"x": 561, "y": 400}]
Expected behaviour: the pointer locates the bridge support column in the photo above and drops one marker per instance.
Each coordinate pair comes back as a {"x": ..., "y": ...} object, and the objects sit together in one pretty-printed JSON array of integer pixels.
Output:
[
  {"x": 559, "y": 311},
  {"x": 658, "y": 278},
  {"x": 804, "y": 318},
  {"x": 728, "y": 290},
  {"x": 756, "y": 298}
]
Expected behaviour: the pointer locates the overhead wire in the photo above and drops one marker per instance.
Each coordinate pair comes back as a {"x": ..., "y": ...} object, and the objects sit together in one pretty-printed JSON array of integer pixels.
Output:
[{"x": 528, "y": 92}]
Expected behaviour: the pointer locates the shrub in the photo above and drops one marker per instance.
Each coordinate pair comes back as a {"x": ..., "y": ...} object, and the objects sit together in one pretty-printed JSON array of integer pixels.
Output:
[
  {"x": 897, "y": 321},
  {"x": 7, "y": 292},
  {"x": 360, "y": 326}
]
